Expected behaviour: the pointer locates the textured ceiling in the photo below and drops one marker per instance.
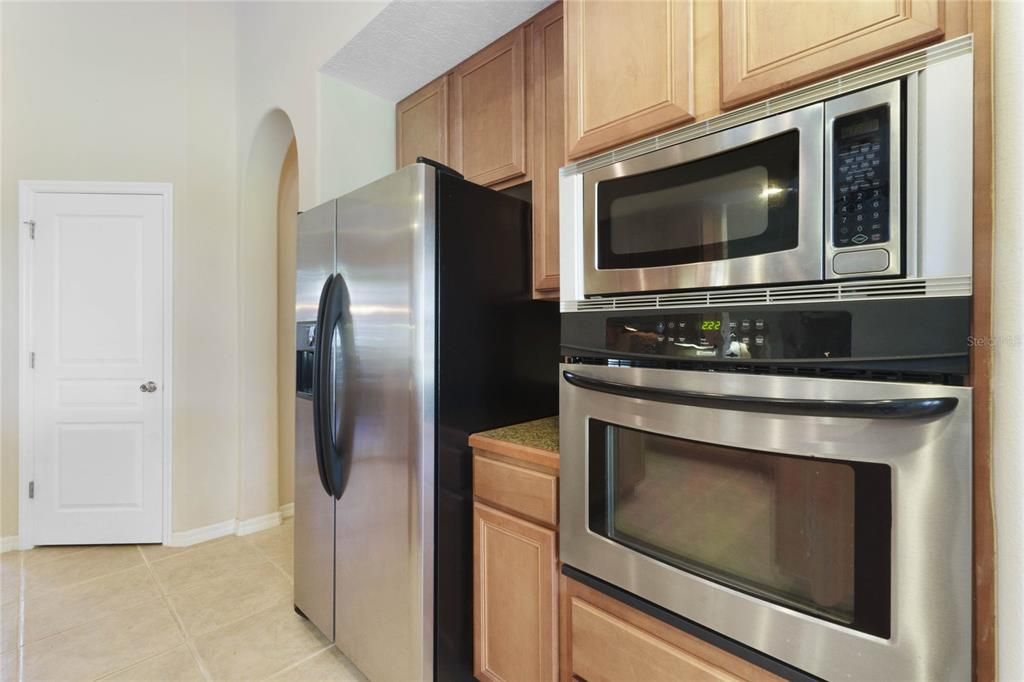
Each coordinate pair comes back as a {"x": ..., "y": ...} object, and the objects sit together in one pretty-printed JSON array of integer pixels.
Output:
[{"x": 411, "y": 42}]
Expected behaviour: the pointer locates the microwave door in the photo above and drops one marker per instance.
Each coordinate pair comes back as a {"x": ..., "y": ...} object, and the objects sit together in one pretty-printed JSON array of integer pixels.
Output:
[
  {"x": 815, "y": 520},
  {"x": 738, "y": 207}
]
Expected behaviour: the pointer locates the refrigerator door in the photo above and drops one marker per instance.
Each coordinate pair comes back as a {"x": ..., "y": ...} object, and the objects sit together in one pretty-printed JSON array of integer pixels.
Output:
[
  {"x": 385, "y": 514},
  {"x": 314, "y": 507}
]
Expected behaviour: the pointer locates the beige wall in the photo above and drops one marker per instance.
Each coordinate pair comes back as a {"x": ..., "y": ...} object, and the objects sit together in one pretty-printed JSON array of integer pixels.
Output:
[
  {"x": 175, "y": 92},
  {"x": 136, "y": 92},
  {"x": 344, "y": 138},
  {"x": 287, "y": 224}
]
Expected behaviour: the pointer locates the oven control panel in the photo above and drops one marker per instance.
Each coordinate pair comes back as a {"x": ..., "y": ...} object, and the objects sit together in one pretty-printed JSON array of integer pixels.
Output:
[
  {"x": 733, "y": 335},
  {"x": 860, "y": 158}
]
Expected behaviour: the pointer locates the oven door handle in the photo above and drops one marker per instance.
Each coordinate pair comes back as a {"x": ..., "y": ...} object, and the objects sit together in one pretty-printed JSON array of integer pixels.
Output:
[{"x": 898, "y": 408}]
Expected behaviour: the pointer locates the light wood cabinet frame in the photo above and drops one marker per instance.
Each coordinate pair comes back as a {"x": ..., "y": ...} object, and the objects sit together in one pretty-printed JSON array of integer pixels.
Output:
[
  {"x": 593, "y": 78},
  {"x": 477, "y": 130},
  {"x": 746, "y": 77}
]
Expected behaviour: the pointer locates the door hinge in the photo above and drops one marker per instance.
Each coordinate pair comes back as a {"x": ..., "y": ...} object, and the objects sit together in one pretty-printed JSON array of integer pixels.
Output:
[
  {"x": 31, "y": 489},
  {"x": 32, "y": 360},
  {"x": 31, "y": 228}
]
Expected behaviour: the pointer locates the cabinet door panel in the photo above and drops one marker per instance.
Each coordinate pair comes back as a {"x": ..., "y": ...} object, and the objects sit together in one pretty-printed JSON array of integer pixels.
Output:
[
  {"x": 548, "y": 146},
  {"x": 769, "y": 47},
  {"x": 603, "y": 639},
  {"x": 422, "y": 125},
  {"x": 628, "y": 70},
  {"x": 514, "y": 606},
  {"x": 488, "y": 117}
]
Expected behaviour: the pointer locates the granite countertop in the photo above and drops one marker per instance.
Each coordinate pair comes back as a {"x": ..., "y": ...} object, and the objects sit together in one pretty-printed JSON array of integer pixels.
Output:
[{"x": 535, "y": 441}]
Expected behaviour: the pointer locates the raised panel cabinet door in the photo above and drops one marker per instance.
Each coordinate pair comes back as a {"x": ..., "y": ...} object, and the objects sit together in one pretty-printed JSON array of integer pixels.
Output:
[
  {"x": 548, "y": 145},
  {"x": 515, "y": 612},
  {"x": 488, "y": 112},
  {"x": 422, "y": 124},
  {"x": 628, "y": 70},
  {"x": 768, "y": 47}
]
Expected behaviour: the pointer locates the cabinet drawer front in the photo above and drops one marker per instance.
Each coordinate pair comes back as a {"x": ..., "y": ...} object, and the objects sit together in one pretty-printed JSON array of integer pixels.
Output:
[
  {"x": 606, "y": 648},
  {"x": 524, "y": 491}
]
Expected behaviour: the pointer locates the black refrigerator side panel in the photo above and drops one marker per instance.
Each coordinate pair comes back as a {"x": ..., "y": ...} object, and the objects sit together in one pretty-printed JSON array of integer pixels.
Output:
[{"x": 497, "y": 365}]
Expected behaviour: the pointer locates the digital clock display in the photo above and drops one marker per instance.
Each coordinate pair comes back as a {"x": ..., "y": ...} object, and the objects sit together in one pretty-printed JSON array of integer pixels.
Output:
[
  {"x": 711, "y": 325},
  {"x": 860, "y": 128}
]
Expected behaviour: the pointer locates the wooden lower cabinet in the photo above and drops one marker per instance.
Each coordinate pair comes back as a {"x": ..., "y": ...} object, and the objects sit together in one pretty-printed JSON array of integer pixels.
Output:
[
  {"x": 515, "y": 590},
  {"x": 604, "y": 640},
  {"x": 515, "y": 562}
]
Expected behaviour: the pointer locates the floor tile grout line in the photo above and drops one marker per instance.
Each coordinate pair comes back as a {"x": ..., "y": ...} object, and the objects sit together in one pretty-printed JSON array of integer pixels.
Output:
[
  {"x": 297, "y": 663},
  {"x": 51, "y": 590},
  {"x": 188, "y": 548},
  {"x": 23, "y": 600},
  {"x": 189, "y": 644}
]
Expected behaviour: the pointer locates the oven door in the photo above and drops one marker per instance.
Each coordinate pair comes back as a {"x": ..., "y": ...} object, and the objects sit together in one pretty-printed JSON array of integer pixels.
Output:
[
  {"x": 742, "y": 206},
  {"x": 826, "y": 523}
]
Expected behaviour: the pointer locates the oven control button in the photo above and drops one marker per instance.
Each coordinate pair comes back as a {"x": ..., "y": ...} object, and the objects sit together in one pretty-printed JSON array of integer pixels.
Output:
[
  {"x": 671, "y": 339},
  {"x": 758, "y": 340},
  {"x": 745, "y": 340},
  {"x": 671, "y": 325},
  {"x": 661, "y": 339},
  {"x": 745, "y": 325},
  {"x": 659, "y": 327},
  {"x": 859, "y": 238},
  {"x": 758, "y": 324}
]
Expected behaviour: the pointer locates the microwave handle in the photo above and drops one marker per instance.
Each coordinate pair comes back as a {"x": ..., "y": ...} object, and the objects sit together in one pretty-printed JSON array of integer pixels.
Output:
[{"x": 901, "y": 408}]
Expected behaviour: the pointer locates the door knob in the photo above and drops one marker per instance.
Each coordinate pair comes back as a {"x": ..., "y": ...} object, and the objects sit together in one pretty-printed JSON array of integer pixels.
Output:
[{"x": 148, "y": 387}]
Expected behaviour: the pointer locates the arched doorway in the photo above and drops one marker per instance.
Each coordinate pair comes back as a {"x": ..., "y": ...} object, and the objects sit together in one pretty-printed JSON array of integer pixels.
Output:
[
  {"x": 264, "y": 306},
  {"x": 287, "y": 229}
]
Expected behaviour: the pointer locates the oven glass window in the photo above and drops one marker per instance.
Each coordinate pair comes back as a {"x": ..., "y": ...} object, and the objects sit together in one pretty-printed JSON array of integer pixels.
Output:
[
  {"x": 809, "y": 534},
  {"x": 742, "y": 202}
]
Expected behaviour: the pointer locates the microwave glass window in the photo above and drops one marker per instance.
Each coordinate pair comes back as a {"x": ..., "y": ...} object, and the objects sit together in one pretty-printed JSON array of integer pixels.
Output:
[
  {"x": 742, "y": 202},
  {"x": 809, "y": 534}
]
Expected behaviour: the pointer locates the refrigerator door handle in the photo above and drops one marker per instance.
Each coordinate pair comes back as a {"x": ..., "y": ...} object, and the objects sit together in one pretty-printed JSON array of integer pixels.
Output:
[
  {"x": 321, "y": 398},
  {"x": 333, "y": 416}
]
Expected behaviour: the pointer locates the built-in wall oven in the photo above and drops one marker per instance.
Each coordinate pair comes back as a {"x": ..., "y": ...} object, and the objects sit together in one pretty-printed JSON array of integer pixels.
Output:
[
  {"x": 817, "y": 512},
  {"x": 765, "y": 417}
]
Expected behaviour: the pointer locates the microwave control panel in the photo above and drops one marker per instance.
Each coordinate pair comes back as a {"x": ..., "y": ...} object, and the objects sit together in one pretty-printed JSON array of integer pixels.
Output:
[
  {"x": 861, "y": 178},
  {"x": 734, "y": 335}
]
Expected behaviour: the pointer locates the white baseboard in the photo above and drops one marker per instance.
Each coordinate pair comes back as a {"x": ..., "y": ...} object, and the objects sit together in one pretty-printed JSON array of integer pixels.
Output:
[
  {"x": 259, "y": 523},
  {"x": 186, "y": 538},
  {"x": 9, "y": 543}
]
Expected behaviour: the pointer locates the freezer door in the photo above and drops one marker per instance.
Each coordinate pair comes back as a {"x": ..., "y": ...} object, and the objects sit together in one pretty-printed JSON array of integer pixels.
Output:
[
  {"x": 385, "y": 396},
  {"x": 314, "y": 507}
]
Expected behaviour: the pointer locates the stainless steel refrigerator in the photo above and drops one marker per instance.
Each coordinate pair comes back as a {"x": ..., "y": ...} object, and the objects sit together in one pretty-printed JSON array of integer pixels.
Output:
[{"x": 416, "y": 328}]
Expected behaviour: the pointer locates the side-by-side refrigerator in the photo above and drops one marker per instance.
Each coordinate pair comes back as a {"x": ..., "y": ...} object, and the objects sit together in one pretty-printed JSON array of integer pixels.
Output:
[{"x": 415, "y": 329}]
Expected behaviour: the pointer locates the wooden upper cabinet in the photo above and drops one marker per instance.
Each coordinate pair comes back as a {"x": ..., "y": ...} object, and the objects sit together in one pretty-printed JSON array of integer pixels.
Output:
[
  {"x": 422, "y": 124},
  {"x": 488, "y": 112},
  {"x": 548, "y": 120},
  {"x": 628, "y": 70},
  {"x": 768, "y": 47}
]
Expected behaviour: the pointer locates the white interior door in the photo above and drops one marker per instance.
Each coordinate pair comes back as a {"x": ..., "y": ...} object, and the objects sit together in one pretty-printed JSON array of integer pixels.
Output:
[{"x": 97, "y": 332}]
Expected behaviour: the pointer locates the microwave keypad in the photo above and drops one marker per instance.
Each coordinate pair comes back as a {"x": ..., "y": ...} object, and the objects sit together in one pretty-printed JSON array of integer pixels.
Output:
[{"x": 861, "y": 178}]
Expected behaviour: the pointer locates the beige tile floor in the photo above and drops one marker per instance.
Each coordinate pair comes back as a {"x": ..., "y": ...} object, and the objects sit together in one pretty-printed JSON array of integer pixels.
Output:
[{"x": 221, "y": 610}]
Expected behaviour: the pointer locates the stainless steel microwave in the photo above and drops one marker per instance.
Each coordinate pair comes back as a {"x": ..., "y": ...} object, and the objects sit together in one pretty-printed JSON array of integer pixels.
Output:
[{"x": 868, "y": 176}]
